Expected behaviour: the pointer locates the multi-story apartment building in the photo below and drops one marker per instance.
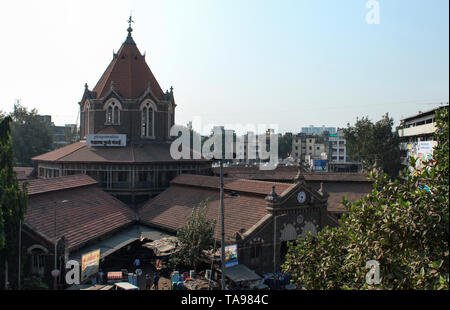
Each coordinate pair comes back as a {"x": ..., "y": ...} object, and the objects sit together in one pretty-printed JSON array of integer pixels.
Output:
[
  {"x": 303, "y": 145},
  {"x": 337, "y": 147},
  {"x": 417, "y": 134}
]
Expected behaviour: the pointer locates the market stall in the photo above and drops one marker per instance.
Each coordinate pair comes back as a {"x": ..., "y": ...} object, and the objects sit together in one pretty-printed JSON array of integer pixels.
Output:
[{"x": 242, "y": 277}]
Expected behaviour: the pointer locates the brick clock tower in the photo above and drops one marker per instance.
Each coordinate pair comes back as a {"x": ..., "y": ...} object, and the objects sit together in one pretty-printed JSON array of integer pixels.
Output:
[
  {"x": 125, "y": 123},
  {"x": 128, "y": 99}
]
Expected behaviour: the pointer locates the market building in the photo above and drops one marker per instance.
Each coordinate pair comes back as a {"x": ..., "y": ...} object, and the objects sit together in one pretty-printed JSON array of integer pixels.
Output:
[
  {"x": 71, "y": 211},
  {"x": 337, "y": 185},
  {"x": 260, "y": 217},
  {"x": 125, "y": 123}
]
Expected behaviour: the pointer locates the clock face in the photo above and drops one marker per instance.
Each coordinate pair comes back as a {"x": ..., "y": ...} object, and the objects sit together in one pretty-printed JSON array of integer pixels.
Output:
[{"x": 301, "y": 197}]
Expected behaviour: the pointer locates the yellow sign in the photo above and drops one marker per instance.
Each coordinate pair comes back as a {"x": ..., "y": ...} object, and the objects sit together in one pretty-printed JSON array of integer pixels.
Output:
[{"x": 89, "y": 264}]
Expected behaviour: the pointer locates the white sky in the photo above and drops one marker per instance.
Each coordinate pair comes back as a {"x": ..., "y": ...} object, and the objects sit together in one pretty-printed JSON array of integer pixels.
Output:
[{"x": 292, "y": 63}]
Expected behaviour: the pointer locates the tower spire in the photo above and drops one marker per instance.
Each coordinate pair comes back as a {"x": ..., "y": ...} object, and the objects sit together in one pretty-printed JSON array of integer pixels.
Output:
[{"x": 130, "y": 30}]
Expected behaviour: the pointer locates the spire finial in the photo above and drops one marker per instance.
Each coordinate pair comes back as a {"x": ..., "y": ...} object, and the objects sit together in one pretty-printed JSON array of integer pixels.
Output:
[{"x": 130, "y": 20}]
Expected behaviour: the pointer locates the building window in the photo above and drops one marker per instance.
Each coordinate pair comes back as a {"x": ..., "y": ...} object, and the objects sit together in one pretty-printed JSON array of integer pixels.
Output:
[
  {"x": 113, "y": 108},
  {"x": 148, "y": 109},
  {"x": 255, "y": 254},
  {"x": 37, "y": 257}
]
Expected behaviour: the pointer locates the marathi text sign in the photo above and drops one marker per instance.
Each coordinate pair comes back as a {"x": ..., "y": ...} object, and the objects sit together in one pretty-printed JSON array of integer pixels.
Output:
[
  {"x": 106, "y": 140},
  {"x": 89, "y": 264}
]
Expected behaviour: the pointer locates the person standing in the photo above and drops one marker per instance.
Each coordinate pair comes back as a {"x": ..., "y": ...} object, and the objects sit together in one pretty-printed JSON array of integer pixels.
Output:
[
  {"x": 148, "y": 282},
  {"x": 156, "y": 280}
]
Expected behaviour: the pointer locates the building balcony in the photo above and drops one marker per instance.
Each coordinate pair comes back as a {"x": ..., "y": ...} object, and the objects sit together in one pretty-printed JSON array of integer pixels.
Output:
[{"x": 417, "y": 130}]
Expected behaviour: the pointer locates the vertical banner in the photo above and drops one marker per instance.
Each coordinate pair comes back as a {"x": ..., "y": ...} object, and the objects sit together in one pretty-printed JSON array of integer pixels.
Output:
[
  {"x": 231, "y": 256},
  {"x": 90, "y": 264}
]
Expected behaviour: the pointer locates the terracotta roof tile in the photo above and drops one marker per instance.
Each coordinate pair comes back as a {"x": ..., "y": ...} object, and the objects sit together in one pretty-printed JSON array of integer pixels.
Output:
[
  {"x": 288, "y": 173},
  {"x": 39, "y": 186},
  {"x": 132, "y": 153},
  {"x": 61, "y": 152},
  {"x": 130, "y": 73},
  {"x": 23, "y": 173},
  {"x": 82, "y": 214},
  {"x": 237, "y": 185},
  {"x": 171, "y": 208}
]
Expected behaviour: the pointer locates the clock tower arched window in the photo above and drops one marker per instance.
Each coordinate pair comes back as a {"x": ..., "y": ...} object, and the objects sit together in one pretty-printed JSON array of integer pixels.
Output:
[
  {"x": 148, "y": 109},
  {"x": 113, "y": 108}
]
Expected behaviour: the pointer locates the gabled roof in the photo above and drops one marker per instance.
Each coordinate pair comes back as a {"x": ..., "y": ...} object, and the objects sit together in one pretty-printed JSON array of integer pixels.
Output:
[
  {"x": 23, "y": 173},
  {"x": 82, "y": 213},
  {"x": 232, "y": 184},
  {"x": 148, "y": 152},
  {"x": 40, "y": 186},
  {"x": 130, "y": 73},
  {"x": 171, "y": 209}
]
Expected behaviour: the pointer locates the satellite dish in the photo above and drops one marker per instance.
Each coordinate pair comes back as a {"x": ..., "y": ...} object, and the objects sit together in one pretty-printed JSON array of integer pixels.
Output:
[{"x": 138, "y": 272}]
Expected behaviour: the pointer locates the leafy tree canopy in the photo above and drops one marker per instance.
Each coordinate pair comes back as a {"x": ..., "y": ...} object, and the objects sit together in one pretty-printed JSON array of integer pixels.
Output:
[
  {"x": 402, "y": 223},
  {"x": 30, "y": 135},
  {"x": 195, "y": 238},
  {"x": 370, "y": 143},
  {"x": 13, "y": 198}
]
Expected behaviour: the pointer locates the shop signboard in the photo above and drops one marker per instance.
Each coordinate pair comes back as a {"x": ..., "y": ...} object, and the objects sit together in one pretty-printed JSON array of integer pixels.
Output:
[
  {"x": 90, "y": 264},
  {"x": 106, "y": 140}
]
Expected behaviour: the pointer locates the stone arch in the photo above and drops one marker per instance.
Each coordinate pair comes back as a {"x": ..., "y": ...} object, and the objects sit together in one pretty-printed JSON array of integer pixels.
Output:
[
  {"x": 288, "y": 233},
  {"x": 148, "y": 109},
  {"x": 309, "y": 227},
  {"x": 112, "y": 108},
  {"x": 37, "y": 247}
]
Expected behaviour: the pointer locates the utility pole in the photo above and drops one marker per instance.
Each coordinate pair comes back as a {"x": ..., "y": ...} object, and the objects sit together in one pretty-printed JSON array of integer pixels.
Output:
[
  {"x": 222, "y": 211},
  {"x": 20, "y": 253}
]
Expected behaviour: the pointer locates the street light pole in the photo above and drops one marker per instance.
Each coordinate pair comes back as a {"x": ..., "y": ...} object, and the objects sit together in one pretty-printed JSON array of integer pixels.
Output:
[
  {"x": 20, "y": 252},
  {"x": 55, "y": 284},
  {"x": 222, "y": 211}
]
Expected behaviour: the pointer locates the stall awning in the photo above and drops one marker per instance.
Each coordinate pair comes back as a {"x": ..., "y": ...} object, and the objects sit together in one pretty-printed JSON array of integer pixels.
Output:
[
  {"x": 120, "y": 240},
  {"x": 163, "y": 246},
  {"x": 239, "y": 273}
]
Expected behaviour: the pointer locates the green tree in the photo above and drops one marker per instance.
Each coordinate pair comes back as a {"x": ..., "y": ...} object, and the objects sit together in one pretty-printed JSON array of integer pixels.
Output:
[
  {"x": 402, "y": 223},
  {"x": 195, "y": 238},
  {"x": 71, "y": 134},
  {"x": 13, "y": 198},
  {"x": 370, "y": 143},
  {"x": 30, "y": 135},
  {"x": 284, "y": 146}
]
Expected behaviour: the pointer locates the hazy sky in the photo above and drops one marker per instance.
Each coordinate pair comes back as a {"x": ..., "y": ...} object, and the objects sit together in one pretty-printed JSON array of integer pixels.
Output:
[{"x": 288, "y": 62}]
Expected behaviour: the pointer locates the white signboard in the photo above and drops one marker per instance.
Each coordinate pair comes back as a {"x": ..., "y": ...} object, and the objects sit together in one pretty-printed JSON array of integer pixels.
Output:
[{"x": 106, "y": 140}]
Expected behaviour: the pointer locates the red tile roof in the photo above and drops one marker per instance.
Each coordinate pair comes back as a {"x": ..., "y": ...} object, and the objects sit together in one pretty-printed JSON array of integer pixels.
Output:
[
  {"x": 237, "y": 185},
  {"x": 23, "y": 173},
  {"x": 171, "y": 209},
  {"x": 82, "y": 214},
  {"x": 132, "y": 153},
  {"x": 39, "y": 186},
  {"x": 61, "y": 152},
  {"x": 337, "y": 191},
  {"x": 288, "y": 173},
  {"x": 130, "y": 73}
]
